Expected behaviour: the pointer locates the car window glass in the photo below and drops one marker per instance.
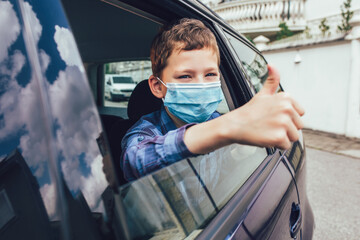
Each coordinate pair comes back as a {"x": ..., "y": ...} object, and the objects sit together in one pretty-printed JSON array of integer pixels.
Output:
[
  {"x": 120, "y": 79},
  {"x": 223, "y": 106},
  {"x": 253, "y": 63},
  {"x": 178, "y": 201}
]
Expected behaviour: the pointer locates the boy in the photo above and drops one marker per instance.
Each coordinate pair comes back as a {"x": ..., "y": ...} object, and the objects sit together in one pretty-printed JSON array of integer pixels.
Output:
[{"x": 185, "y": 62}]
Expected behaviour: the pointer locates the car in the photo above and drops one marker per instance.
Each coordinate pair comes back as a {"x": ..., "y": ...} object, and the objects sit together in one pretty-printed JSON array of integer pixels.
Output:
[
  {"x": 118, "y": 87},
  {"x": 60, "y": 175}
]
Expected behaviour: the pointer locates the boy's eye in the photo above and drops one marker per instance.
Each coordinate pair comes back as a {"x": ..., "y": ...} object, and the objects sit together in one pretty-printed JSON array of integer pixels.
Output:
[
  {"x": 211, "y": 75},
  {"x": 184, "y": 76}
]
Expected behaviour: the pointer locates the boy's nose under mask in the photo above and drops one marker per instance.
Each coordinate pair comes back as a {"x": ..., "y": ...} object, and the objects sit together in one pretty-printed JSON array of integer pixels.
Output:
[{"x": 192, "y": 102}]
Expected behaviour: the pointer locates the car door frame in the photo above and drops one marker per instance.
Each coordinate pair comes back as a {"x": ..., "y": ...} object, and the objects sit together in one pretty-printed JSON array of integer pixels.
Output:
[{"x": 235, "y": 211}]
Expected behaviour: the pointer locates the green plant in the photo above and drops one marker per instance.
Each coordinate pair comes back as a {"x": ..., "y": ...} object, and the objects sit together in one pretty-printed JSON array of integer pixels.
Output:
[
  {"x": 107, "y": 68},
  {"x": 324, "y": 27},
  {"x": 307, "y": 32},
  {"x": 346, "y": 16},
  {"x": 250, "y": 39},
  {"x": 284, "y": 31}
]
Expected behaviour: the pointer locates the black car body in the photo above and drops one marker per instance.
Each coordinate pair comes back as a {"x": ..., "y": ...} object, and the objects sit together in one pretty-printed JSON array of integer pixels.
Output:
[{"x": 55, "y": 125}]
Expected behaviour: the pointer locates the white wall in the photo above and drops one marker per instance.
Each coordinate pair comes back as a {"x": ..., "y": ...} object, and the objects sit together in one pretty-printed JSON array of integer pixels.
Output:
[
  {"x": 324, "y": 8},
  {"x": 319, "y": 82}
]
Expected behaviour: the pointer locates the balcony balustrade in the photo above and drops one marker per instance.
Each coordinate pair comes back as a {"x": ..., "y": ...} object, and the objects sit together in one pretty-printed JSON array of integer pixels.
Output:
[{"x": 255, "y": 17}]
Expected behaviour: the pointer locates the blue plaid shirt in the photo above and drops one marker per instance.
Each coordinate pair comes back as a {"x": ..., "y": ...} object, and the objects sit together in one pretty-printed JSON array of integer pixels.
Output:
[{"x": 153, "y": 143}]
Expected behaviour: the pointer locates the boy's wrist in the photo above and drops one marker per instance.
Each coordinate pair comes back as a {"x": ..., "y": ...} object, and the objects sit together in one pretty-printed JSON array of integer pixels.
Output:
[
  {"x": 223, "y": 130},
  {"x": 208, "y": 136}
]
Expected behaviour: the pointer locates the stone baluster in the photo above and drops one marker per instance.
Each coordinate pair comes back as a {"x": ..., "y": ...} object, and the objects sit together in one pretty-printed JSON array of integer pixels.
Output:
[
  {"x": 291, "y": 10},
  {"x": 265, "y": 11},
  {"x": 286, "y": 10},
  {"x": 273, "y": 11},
  {"x": 248, "y": 13},
  {"x": 257, "y": 12},
  {"x": 261, "y": 11},
  {"x": 302, "y": 9},
  {"x": 270, "y": 11},
  {"x": 279, "y": 7},
  {"x": 294, "y": 11},
  {"x": 241, "y": 14}
]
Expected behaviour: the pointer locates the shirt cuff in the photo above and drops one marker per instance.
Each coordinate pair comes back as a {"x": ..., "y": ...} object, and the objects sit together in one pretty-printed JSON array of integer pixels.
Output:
[{"x": 184, "y": 151}]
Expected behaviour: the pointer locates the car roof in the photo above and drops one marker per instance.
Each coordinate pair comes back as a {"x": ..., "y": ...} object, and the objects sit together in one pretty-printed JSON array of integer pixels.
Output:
[{"x": 108, "y": 30}]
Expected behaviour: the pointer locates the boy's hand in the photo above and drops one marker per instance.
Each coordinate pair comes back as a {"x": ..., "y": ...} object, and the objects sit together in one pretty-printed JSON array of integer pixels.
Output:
[{"x": 269, "y": 119}]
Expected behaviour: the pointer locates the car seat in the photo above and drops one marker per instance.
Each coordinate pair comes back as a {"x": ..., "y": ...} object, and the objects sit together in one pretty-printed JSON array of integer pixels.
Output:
[{"x": 141, "y": 102}]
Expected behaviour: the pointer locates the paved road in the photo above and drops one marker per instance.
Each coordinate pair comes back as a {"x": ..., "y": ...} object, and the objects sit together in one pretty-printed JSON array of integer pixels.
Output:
[{"x": 333, "y": 187}]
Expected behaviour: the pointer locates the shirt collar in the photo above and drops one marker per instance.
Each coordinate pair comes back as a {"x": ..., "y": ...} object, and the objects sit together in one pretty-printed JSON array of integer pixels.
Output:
[{"x": 167, "y": 123}]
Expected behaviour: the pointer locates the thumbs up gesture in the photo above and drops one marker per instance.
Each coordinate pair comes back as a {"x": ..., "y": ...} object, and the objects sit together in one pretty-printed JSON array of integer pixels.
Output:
[{"x": 269, "y": 119}]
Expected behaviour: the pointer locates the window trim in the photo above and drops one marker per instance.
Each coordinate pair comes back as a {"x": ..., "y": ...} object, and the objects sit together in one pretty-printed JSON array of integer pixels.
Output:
[
  {"x": 239, "y": 90},
  {"x": 239, "y": 66}
]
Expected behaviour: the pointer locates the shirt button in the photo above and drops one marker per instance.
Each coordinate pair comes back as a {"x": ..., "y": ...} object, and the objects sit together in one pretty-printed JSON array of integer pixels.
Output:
[{"x": 140, "y": 138}]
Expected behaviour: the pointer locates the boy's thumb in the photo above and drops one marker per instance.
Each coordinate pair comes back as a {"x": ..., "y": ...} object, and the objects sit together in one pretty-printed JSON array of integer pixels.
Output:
[{"x": 272, "y": 82}]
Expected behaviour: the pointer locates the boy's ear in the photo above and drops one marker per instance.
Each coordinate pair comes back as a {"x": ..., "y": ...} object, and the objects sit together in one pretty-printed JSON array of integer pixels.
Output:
[{"x": 157, "y": 89}]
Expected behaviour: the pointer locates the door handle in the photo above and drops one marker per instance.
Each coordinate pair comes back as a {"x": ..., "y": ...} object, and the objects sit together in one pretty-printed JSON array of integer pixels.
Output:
[{"x": 295, "y": 220}]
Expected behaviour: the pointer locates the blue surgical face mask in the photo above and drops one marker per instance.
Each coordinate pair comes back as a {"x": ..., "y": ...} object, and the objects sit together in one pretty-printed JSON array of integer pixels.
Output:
[{"x": 192, "y": 102}]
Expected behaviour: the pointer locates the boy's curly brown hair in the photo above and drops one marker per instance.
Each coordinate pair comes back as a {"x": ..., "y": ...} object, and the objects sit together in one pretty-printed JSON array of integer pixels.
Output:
[{"x": 184, "y": 34}]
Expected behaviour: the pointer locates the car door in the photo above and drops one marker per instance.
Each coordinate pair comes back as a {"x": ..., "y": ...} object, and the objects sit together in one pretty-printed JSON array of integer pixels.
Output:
[
  {"x": 51, "y": 178},
  {"x": 275, "y": 212}
]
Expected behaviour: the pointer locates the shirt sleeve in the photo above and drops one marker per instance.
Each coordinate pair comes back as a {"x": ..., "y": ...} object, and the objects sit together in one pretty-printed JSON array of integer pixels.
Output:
[{"x": 145, "y": 151}]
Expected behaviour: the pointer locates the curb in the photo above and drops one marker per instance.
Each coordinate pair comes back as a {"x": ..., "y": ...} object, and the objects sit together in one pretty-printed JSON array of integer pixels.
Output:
[{"x": 330, "y": 142}]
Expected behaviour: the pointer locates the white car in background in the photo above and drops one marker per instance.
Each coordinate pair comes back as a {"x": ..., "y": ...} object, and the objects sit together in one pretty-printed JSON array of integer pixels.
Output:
[{"x": 118, "y": 87}]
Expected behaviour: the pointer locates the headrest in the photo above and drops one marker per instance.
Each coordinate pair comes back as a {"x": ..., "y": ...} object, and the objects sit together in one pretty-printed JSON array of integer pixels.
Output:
[{"x": 142, "y": 101}]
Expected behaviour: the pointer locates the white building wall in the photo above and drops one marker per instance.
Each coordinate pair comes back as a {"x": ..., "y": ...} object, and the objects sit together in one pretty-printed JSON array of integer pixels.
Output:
[
  {"x": 320, "y": 82},
  {"x": 324, "y": 8}
]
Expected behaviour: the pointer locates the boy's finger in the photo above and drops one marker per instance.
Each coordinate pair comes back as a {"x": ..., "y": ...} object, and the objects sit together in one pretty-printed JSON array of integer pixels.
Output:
[
  {"x": 272, "y": 82},
  {"x": 293, "y": 133},
  {"x": 296, "y": 119},
  {"x": 299, "y": 109}
]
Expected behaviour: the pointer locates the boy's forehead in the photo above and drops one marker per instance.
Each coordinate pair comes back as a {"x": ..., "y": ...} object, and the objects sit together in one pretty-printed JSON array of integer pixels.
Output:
[
  {"x": 181, "y": 48},
  {"x": 203, "y": 54}
]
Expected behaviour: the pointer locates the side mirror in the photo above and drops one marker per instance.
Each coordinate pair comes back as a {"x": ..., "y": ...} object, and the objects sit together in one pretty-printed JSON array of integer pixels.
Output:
[{"x": 108, "y": 82}]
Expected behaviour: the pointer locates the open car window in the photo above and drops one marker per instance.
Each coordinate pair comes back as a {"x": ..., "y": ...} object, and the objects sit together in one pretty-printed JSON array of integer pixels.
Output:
[{"x": 179, "y": 200}]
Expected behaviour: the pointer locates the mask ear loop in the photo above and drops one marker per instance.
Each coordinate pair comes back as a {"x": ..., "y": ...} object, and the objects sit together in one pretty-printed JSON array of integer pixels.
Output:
[
  {"x": 163, "y": 99},
  {"x": 161, "y": 81}
]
